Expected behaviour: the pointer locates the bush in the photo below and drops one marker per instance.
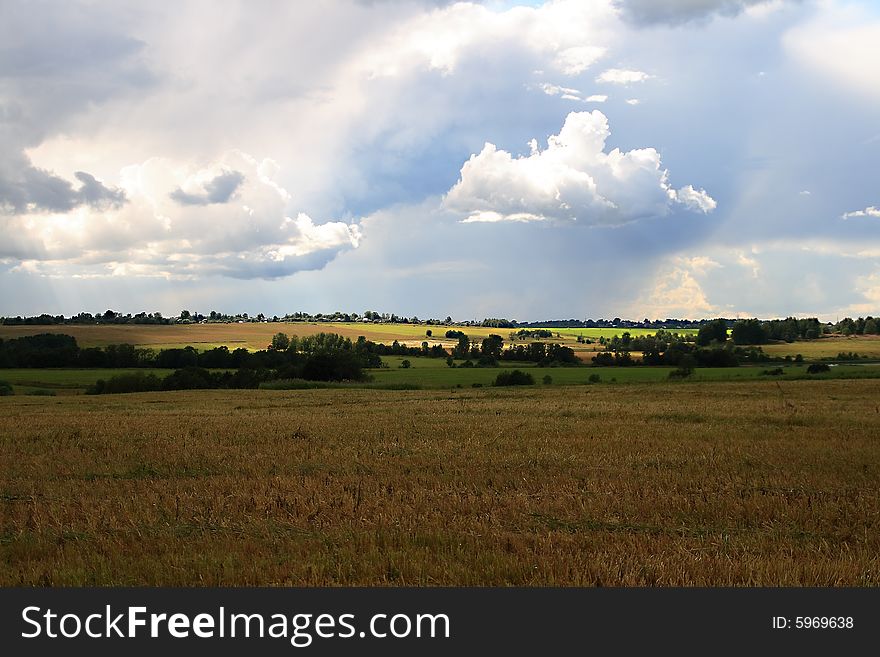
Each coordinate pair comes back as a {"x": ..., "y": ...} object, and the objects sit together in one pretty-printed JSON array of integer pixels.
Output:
[
  {"x": 818, "y": 368},
  {"x": 405, "y": 364},
  {"x": 514, "y": 378},
  {"x": 189, "y": 378},
  {"x": 122, "y": 383},
  {"x": 681, "y": 373},
  {"x": 42, "y": 392},
  {"x": 5, "y": 389},
  {"x": 594, "y": 378},
  {"x": 774, "y": 372},
  {"x": 547, "y": 380}
]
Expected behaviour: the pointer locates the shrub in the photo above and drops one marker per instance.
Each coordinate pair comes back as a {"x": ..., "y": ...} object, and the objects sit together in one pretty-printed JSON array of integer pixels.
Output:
[
  {"x": 774, "y": 372},
  {"x": 42, "y": 392},
  {"x": 189, "y": 378},
  {"x": 405, "y": 364},
  {"x": 594, "y": 378},
  {"x": 547, "y": 380},
  {"x": 818, "y": 368},
  {"x": 514, "y": 378},
  {"x": 681, "y": 373},
  {"x": 138, "y": 382},
  {"x": 5, "y": 389}
]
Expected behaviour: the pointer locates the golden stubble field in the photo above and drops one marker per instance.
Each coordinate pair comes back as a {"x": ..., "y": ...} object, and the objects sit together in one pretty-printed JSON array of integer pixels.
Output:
[
  {"x": 250, "y": 335},
  {"x": 664, "y": 484}
]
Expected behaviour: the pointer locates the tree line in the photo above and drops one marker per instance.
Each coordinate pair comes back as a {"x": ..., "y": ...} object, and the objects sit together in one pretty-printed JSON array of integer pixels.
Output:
[{"x": 750, "y": 331}]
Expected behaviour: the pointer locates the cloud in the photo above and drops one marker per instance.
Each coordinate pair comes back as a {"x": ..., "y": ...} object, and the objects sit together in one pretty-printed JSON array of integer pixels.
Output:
[
  {"x": 676, "y": 293},
  {"x": 556, "y": 90},
  {"x": 622, "y": 76},
  {"x": 750, "y": 263},
  {"x": 677, "y": 12},
  {"x": 577, "y": 59},
  {"x": 30, "y": 190},
  {"x": 843, "y": 46},
  {"x": 231, "y": 222},
  {"x": 870, "y": 211},
  {"x": 568, "y": 93},
  {"x": 572, "y": 34},
  {"x": 573, "y": 179},
  {"x": 868, "y": 287},
  {"x": 695, "y": 199},
  {"x": 95, "y": 194},
  {"x": 218, "y": 189},
  {"x": 381, "y": 112}
]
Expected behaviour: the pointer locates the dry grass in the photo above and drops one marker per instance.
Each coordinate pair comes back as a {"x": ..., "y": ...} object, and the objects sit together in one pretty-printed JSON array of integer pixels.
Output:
[
  {"x": 864, "y": 345},
  {"x": 688, "y": 484},
  {"x": 249, "y": 335}
]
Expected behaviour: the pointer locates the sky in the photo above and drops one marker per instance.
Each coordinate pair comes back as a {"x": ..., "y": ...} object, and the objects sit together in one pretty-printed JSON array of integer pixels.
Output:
[{"x": 527, "y": 160}]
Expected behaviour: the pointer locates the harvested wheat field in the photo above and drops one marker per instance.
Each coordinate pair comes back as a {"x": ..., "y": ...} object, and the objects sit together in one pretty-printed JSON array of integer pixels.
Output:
[{"x": 753, "y": 483}]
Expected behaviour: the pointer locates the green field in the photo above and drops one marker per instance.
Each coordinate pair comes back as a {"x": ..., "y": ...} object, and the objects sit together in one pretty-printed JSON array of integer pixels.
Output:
[
  {"x": 64, "y": 381},
  {"x": 605, "y": 332},
  {"x": 434, "y": 373}
]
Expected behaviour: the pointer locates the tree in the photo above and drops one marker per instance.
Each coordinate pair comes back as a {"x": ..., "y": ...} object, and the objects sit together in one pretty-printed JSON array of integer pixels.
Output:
[
  {"x": 463, "y": 348},
  {"x": 280, "y": 342},
  {"x": 405, "y": 364},
  {"x": 491, "y": 347},
  {"x": 429, "y": 333},
  {"x": 714, "y": 331},
  {"x": 749, "y": 331}
]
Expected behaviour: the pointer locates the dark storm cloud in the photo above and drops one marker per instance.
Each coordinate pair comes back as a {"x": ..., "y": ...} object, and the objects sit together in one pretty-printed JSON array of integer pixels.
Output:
[
  {"x": 37, "y": 190},
  {"x": 218, "y": 190},
  {"x": 56, "y": 60},
  {"x": 676, "y": 12},
  {"x": 95, "y": 194}
]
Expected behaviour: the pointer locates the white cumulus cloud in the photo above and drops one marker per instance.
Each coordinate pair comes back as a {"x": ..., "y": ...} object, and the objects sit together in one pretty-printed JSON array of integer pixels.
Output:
[
  {"x": 577, "y": 59},
  {"x": 695, "y": 199},
  {"x": 622, "y": 76},
  {"x": 181, "y": 220},
  {"x": 870, "y": 211},
  {"x": 573, "y": 179}
]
